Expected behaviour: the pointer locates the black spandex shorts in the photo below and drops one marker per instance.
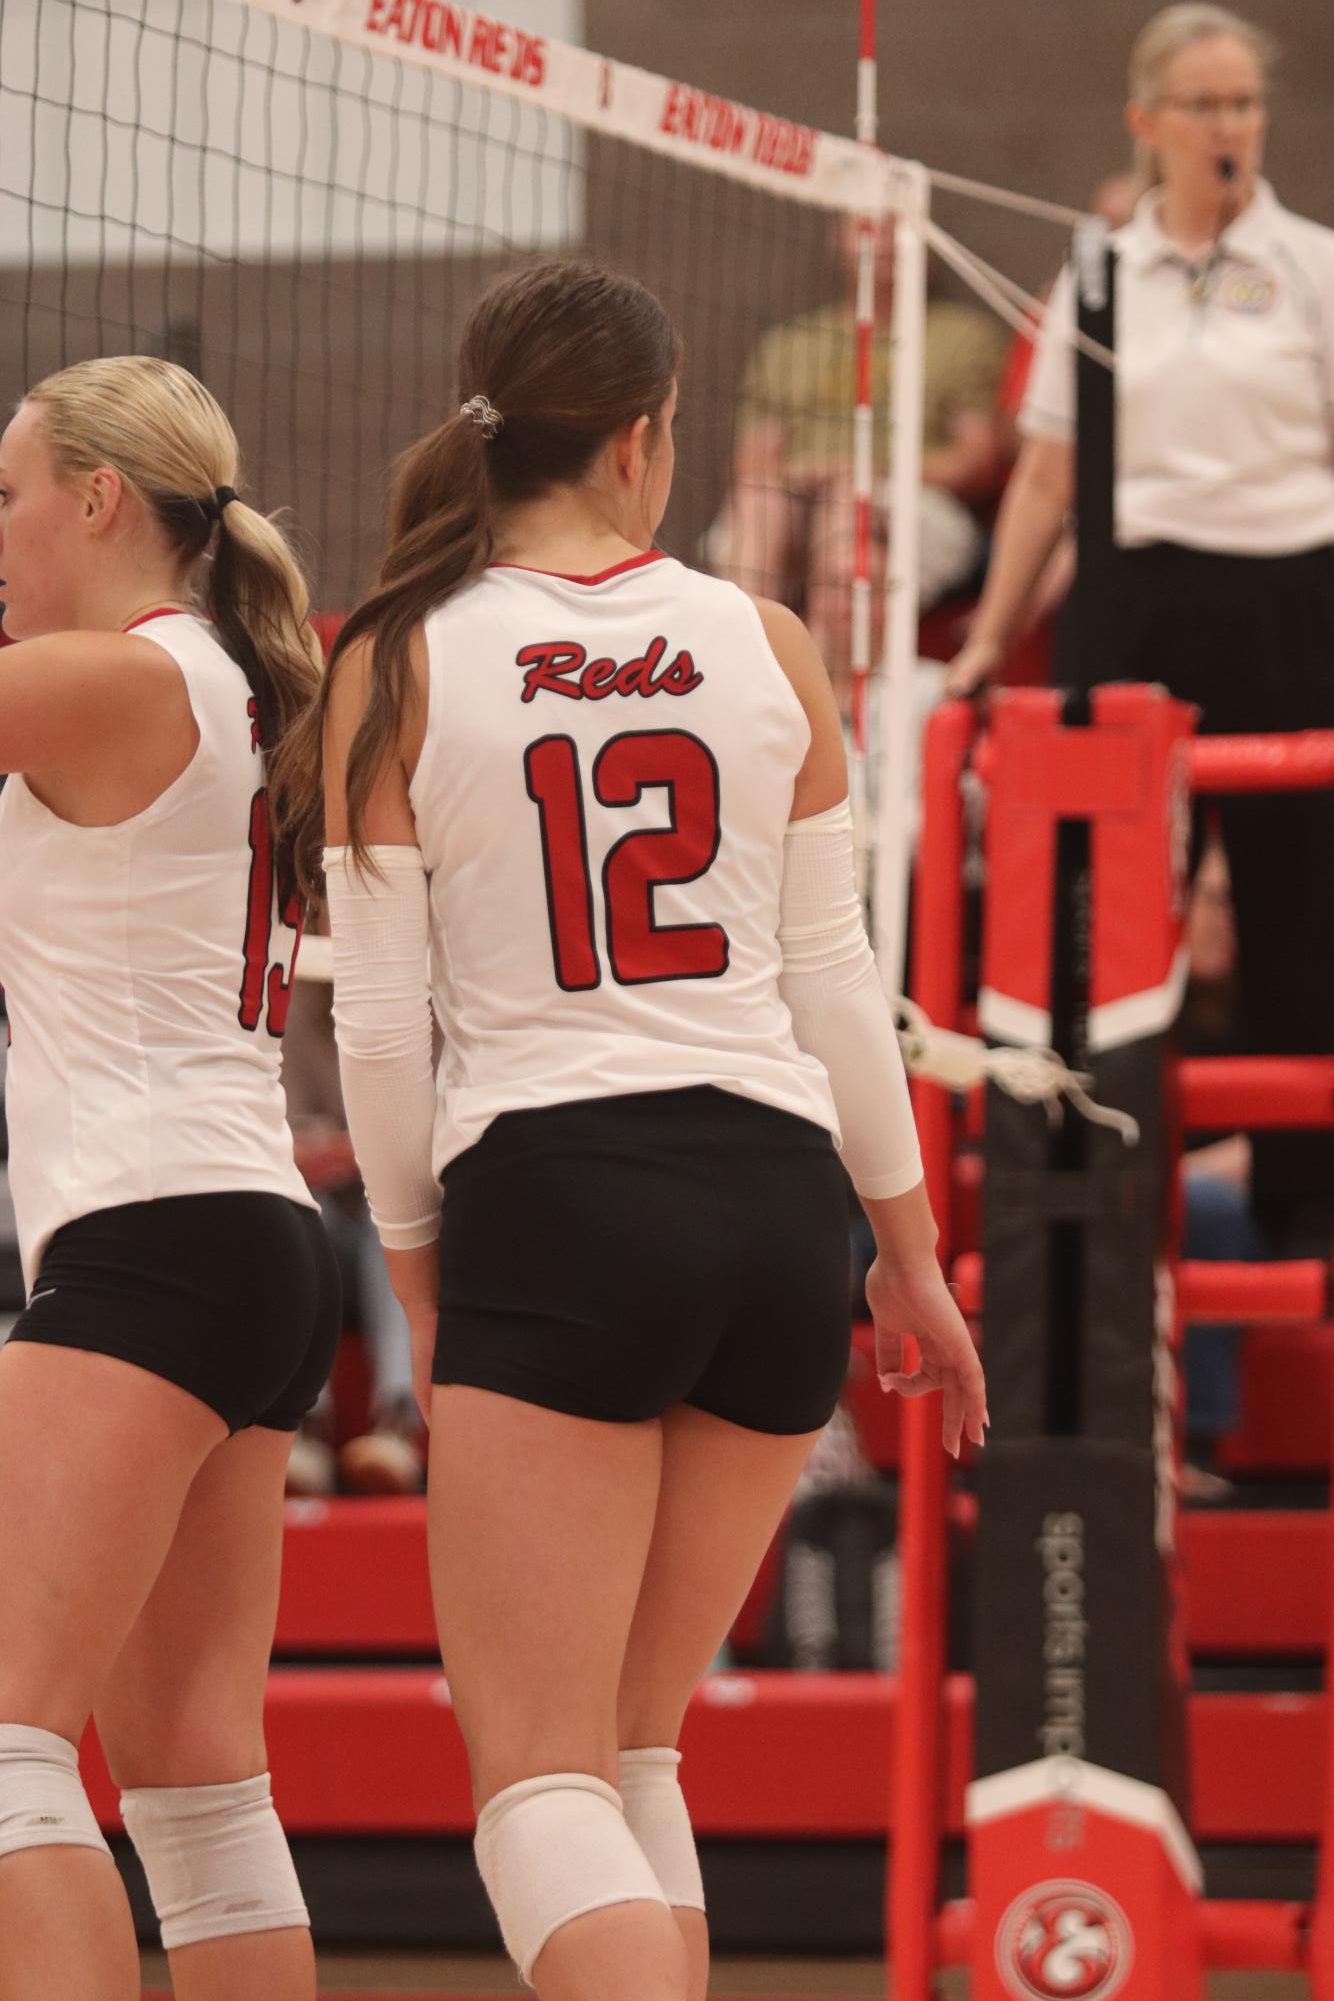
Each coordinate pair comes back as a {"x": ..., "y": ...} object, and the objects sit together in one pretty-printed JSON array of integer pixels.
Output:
[
  {"x": 618, "y": 1256},
  {"x": 233, "y": 1297}
]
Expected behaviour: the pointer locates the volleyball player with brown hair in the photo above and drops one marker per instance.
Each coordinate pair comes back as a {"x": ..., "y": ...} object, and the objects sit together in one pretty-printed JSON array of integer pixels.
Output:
[
  {"x": 607, "y": 795},
  {"x": 183, "y": 1309}
]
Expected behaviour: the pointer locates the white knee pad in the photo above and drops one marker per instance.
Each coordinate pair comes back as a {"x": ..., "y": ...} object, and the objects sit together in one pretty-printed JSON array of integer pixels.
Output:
[
  {"x": 216, "y": 1859},
  {"x": 42, "y": 1800},
  {"x": 656, "y": 1815},
  {"x": 553, "y": 1849}
]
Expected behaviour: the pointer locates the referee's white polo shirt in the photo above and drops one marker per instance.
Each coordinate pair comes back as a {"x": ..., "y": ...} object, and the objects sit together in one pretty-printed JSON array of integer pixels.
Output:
[{"x": 1225, "y": 399}]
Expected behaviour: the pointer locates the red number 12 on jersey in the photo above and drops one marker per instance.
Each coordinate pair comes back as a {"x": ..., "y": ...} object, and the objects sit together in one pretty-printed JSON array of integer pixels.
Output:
[{"x": 640, "y": 950}]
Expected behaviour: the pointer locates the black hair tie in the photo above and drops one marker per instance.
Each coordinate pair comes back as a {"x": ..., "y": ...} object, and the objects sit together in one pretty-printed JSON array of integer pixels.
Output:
[{"x": 211, "y": 509}]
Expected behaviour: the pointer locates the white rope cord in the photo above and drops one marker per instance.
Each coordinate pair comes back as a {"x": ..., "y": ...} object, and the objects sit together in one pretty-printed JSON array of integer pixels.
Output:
[
  {"x": 1014, "y": 305},
  {"x": 1030, "y": 1076},
  {"x": 1028, "y": 303},
  {"x": 1007, "y": 198}
]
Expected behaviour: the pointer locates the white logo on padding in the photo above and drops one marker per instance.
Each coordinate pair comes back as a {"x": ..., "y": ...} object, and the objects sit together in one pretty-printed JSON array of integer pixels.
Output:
[{"x": 1064, "y": 1941}]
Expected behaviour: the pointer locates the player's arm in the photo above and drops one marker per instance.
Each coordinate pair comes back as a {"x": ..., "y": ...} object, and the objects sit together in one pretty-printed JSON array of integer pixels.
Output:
[
  {"x": 75, "y": 702},
  {"x": 840, "y": 1014},
  {"x": 379, "y": 919}
]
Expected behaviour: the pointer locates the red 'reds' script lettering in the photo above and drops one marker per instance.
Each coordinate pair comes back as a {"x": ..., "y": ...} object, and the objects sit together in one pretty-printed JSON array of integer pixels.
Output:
[
  {"x": 562, "y": 667},
  {"x": 474, "y": 39}
]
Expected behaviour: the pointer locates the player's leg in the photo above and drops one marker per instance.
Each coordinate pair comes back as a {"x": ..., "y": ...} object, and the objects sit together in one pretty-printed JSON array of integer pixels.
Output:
[
  {"x": 96, "y": 1458},
  {"x": 181, "y": 1718},
  {"x": 540, "y": 1524},
  {"x": 722, "y": 1496},
  {"x": 731, "y": 1458},
  {"x": 182, "y": 1713}
]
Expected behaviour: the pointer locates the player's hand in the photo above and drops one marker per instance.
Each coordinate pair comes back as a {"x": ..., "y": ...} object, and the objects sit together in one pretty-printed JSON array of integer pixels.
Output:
[
  {"x": 972, "y": 667},
  {"x": 919, "y": 1303}
]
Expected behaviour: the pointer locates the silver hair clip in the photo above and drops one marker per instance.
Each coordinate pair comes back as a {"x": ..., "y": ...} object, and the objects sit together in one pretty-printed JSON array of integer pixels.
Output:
[{"x": 483, "y": 413}]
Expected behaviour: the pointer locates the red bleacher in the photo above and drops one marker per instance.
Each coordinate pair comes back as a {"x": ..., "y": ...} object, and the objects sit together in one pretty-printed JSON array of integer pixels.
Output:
[
  {"x": 355, "y": 1580},
  {"x": 376, "y": 1751},
  {"x": 374, "y": 1748}
]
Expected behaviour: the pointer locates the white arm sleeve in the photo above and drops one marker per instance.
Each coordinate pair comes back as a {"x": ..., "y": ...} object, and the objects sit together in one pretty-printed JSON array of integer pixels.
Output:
[
  {"x": 382, "y": 1019},
  {"x": 838, "y": 1008}
]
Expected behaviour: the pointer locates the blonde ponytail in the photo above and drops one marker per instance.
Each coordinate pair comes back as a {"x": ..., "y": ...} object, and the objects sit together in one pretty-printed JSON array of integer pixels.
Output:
[{"x": 172, "y": 445}]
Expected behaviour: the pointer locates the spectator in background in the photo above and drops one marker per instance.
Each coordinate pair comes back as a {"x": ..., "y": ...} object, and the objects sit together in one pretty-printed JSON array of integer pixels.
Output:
[
  {"x": 786, "y": 526},
  {"x": 389, "y": 1458},
  {"x": 1224, "y": 513}
]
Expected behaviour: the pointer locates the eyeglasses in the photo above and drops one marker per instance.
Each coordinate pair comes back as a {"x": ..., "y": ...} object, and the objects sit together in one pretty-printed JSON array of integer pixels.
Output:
[{"x": 1208, "y": 107}]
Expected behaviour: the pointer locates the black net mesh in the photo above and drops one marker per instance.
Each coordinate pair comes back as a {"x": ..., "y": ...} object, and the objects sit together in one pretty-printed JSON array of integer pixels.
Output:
[{"x": 304, "y": 224}]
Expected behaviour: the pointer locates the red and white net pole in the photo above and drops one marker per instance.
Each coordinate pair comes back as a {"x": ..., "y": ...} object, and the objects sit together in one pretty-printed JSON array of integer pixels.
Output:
[
  {"x": 895, "y": 721},
  {"x": 863, "y": 444}
]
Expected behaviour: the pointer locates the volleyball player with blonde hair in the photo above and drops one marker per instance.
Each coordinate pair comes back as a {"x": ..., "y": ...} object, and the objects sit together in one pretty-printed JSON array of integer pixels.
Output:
[
  {"x": 183, "y": 1303},
  {"x": 606, "y": 795}
]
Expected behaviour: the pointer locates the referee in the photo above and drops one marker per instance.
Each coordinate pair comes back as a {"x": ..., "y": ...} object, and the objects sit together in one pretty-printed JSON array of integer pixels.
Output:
[{"x": 1224, "y": 516}]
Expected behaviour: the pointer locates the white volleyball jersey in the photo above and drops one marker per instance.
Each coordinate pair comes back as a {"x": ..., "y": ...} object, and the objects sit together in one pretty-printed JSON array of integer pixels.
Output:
[
  {"x": 146, "y": 969},
  {"x": 601, "y": 801}
]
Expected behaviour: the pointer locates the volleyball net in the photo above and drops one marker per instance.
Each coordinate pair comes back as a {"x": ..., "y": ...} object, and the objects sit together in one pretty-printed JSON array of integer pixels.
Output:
[{"x": 299, "y": 199}]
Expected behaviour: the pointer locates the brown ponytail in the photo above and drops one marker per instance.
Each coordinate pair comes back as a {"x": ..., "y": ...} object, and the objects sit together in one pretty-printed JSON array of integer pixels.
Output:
[
  {"x": 566, "y": 354},
  {"x": 171, "y": 443}
]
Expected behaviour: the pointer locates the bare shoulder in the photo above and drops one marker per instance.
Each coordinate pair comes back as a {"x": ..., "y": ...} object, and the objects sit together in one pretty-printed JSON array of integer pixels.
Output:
[
  {"x": 795, "y": 651},
  {"x": 823, "y": 779},
  {"x": 350, "y": 678},
  {"x": 73, "y": 699},
  {"x": 128, "y": 665},
  {"x": 385, "y": 814}
]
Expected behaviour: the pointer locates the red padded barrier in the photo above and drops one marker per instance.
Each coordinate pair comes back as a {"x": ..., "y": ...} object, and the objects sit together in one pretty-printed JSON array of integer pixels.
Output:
[
  {"x": 354, "y": 1575},
  {"x": 1297, "y": 1289},
  {"x": 377, "y": 1752},
  {"x": 1256, "y": 1583},
  {"x": 1286, "y": 1390},
  {"x": 1294, "y": 1290},
  {"x": 1297, "y": 761},
  {"x": 1232, "y": 1093},
  {"x": 355, "y": 1578},
  {"x": 1286, "y": 1383}
]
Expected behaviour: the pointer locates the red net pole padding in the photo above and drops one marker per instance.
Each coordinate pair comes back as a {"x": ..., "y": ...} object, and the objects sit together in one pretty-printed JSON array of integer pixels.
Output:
[
  {"x": 916, "y": 1806},
  {"x": 1076, "y": 1826},
  {"x": 1298, "y": 761},
  {"x": 1253, "y": 1093},
  {"x": 1296, "y": 1289}
]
